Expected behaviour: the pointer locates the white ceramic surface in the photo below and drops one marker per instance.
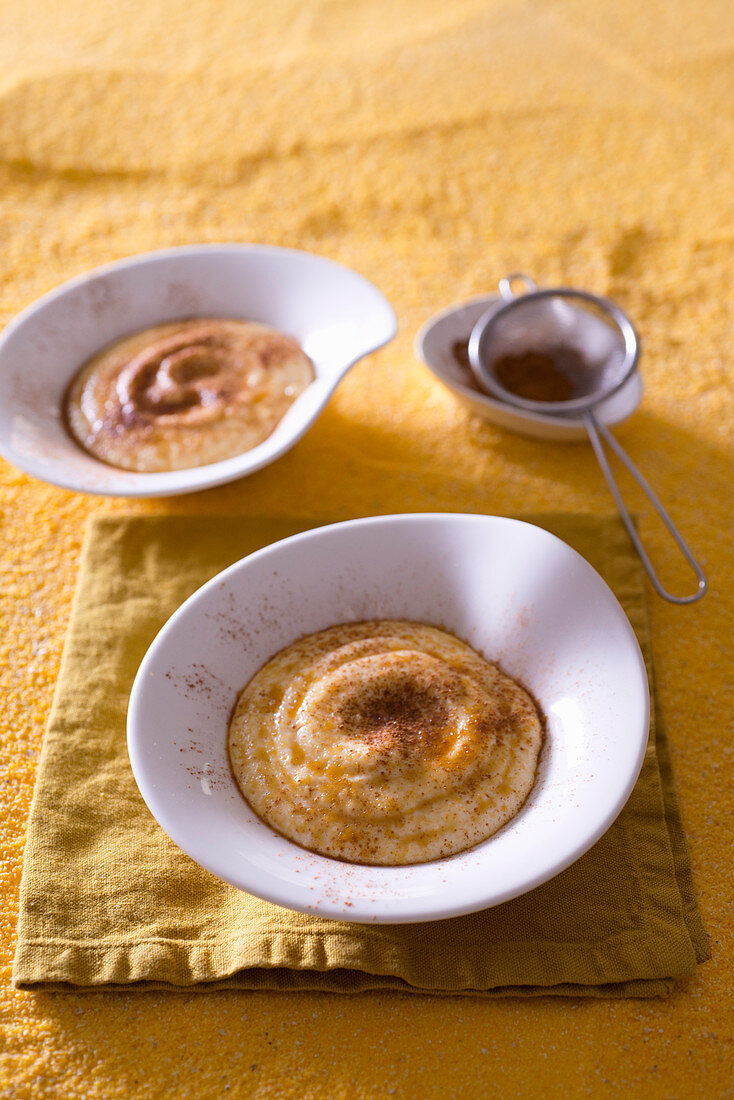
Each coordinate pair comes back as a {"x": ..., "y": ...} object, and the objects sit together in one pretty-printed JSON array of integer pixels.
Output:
[
  {"x": 516, "y": 593},
  {"x": 337, "y": 316},
  {"x": 434, "y": 346}
]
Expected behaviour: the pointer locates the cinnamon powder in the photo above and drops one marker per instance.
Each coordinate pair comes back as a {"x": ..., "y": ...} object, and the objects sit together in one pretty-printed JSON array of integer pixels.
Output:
[{"x": 534, "y": 375}]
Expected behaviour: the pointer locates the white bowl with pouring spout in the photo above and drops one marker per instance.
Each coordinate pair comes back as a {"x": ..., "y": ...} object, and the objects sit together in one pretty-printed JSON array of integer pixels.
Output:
[{"x": 335, "y": 314}]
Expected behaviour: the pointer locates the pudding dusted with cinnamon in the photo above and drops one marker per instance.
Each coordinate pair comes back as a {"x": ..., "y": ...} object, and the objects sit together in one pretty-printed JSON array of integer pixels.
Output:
[
  {"x": 384, "y": 742},
  {"x": 185, "y": 394}
]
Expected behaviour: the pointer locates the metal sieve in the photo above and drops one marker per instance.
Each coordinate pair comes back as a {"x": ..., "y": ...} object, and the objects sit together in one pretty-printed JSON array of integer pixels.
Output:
[{"x": 582, "y": 348}]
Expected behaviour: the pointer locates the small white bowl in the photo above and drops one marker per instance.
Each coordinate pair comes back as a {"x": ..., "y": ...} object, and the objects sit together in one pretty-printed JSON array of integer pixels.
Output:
[
  {"x": 517, "y": 594},
  {"x": 336, "y": 315},
  {"x": 434, "y": 345}
]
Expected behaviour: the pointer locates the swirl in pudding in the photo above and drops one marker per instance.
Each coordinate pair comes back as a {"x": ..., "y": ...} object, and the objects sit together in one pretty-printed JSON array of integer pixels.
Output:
[
  {"x": 185, "y": 394},
  {"x": 384, "y": 742}
]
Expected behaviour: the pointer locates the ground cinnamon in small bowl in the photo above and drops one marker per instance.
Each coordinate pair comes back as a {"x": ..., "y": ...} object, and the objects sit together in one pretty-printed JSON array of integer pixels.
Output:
[{"x": 460, "y": 352}]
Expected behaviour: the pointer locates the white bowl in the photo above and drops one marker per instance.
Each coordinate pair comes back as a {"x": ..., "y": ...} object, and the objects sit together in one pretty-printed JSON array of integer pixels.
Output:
[
  {"x": 434, "y": 344},
  {"x": 336, "y": 315},
  {"x": 516, "y": 593}
]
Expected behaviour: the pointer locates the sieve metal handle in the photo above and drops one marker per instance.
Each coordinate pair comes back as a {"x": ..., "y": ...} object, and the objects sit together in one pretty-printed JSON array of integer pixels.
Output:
[
  {"x": 506, "y": 290},
  {"x": 595, "y": 429}
]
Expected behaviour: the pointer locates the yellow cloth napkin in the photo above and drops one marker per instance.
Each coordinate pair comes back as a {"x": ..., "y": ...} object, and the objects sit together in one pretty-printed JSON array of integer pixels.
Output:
[{"x": 108, "y": 900}]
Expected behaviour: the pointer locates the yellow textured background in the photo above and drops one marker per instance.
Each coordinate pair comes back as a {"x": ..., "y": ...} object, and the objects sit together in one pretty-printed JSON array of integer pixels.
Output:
[{"x": 433, "y": 147}]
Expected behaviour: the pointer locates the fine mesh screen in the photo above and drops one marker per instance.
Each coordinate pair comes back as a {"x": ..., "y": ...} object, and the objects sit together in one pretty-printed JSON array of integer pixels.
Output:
[{"x": 581, "y": 337}]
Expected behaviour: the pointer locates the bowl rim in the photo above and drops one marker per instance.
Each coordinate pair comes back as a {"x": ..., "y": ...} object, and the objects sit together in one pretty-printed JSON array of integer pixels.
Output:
[
  {"x": 407, "y": 910},
  {"x": 192, "y": 479}
]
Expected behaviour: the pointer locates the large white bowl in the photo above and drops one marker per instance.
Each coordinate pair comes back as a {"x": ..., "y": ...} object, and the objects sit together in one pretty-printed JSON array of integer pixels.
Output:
[
  {"x": 516, "y": 593},
  {"x": 335, "y": 314}
]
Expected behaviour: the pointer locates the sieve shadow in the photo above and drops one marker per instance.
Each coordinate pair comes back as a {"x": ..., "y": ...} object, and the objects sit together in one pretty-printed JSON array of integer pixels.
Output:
[{"x": 655, "y": 445}]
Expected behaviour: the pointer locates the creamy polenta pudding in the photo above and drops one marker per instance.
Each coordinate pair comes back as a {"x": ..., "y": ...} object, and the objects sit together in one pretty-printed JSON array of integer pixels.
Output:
[
  {"x": 384, "y": 742},
  {"x": 185, "y": 394}
]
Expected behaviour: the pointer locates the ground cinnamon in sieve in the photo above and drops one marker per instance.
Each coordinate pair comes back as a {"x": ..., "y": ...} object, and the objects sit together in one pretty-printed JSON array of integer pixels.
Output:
[{"x": 536, "y": 375}]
